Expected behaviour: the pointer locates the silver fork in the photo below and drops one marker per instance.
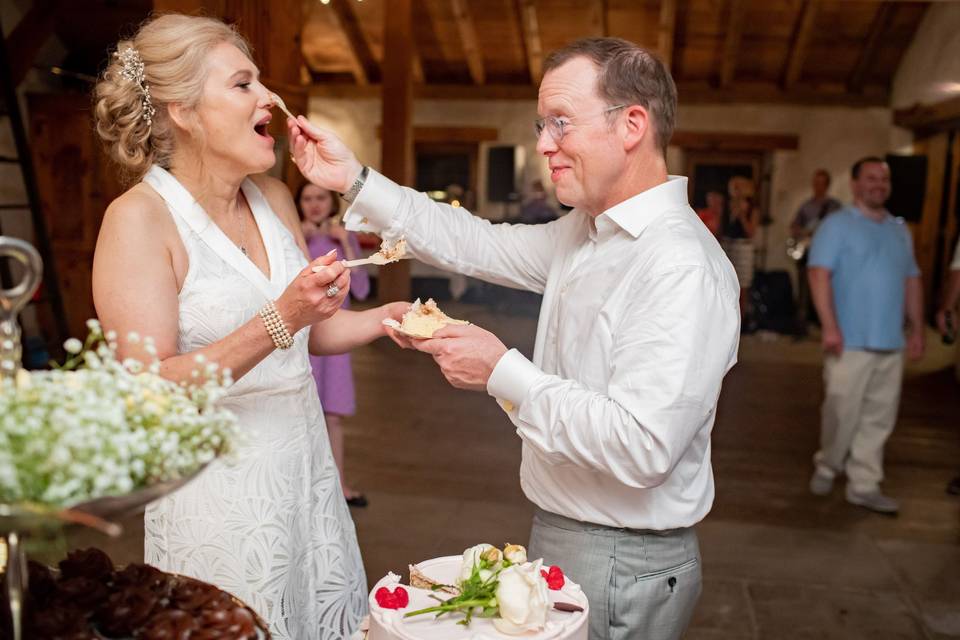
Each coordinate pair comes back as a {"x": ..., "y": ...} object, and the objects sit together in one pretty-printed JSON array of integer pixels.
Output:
[{"x": 283, "y": 107}]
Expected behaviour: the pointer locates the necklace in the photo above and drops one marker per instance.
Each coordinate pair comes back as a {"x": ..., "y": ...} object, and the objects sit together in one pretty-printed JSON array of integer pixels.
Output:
[{"x": 242, "y": 243}]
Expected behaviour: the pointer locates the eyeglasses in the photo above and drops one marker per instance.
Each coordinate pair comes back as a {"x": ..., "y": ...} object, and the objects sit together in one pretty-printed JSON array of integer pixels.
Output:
[{"x": 555, "y": 125}]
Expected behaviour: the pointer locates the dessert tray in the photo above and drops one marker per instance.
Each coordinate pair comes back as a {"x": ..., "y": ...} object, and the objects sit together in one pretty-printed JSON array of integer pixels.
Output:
[{"x": 87, "y": 597}]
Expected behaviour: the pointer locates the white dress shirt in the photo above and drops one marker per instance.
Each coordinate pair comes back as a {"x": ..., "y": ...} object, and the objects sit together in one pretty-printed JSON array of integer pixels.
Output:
[{"x": 639, "y": 324}]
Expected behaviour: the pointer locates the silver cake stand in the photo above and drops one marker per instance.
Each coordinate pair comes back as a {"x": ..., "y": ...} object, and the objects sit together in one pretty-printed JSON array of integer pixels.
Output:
[{"x": 19, "y": 521}]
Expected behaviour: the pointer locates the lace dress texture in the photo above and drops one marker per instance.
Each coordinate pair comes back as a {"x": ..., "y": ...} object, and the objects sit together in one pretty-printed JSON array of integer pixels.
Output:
[{"x": 268, "y": 524}]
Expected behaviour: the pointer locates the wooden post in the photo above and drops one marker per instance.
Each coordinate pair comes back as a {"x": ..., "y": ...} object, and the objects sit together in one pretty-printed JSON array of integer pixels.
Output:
[{"x": 397, "y": 118}]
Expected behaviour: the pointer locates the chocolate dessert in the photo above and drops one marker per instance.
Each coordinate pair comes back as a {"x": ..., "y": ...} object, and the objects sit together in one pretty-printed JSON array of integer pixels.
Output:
[{"x": 88, "y": 599}]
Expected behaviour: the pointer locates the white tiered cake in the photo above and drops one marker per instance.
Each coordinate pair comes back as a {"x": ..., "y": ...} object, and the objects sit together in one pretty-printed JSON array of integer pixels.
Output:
[{"x": 390, "y": 623}]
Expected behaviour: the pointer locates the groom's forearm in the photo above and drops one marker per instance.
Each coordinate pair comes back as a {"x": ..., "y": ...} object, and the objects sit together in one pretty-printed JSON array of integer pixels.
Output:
[
  {"x": 453, "y": 239},
  {"x": 347, "y": 330}
]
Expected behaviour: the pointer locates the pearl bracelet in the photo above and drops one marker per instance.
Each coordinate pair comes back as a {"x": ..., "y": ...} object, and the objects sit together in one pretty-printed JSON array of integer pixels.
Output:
[{"x": 275, "y": 326}]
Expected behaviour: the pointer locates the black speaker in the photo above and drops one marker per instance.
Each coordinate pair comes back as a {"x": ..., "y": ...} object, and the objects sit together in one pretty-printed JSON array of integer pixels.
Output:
[
  {"x": 908, "y": 186},
  {"x": 501, "y": 172}
]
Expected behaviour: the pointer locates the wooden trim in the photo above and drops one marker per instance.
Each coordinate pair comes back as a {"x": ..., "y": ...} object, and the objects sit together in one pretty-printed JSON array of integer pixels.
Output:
[
  {"x": 530, "y": 27},
  {"x": 452, "y": 135},
  {"x": 879, "y": 26},
  {"x": 731, "y": 45},
  {"x": 365, "y": 66},
  {"x": 468, "y": 36},
  {"x": 799, "y": 42},
  {"x": 666, "y": 31},
  {"x": 926, "y": 119},
  {"x": 732, "y": 142}
]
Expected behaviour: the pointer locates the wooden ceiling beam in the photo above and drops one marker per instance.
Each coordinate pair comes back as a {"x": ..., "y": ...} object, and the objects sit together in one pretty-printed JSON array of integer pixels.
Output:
[
  {"x": 868, "y": 55},
  {"x": 666, "y": 31},
  {"x": 468, "y": 36},
  {"x": 926, "y": 119},
  {"x": 731, "y": 44},
  {"x": 365, "y": 67},
  {"x": 689, "y": 93},
  {"x": 530, "y": 28},
  {"x": 799, "y": 43},
  {"x": 771, "y": 93}
]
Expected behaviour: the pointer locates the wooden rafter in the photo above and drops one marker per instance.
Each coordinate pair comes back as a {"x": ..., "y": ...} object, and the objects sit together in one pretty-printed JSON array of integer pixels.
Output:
[
  {"x": 879, "y": 26},
  {"x": 666, "y": 31},
  {"x": 530, "y": 27},
  {"x": 731, "y": 45},
  {"x": 364, "y": 64},
  {"x": 799, "y": 42},
  {"x": 468, "y": 36}
]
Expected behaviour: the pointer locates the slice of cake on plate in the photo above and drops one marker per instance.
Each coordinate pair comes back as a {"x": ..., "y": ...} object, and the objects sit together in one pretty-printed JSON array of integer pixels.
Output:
[{"x": 422, "y": 320}]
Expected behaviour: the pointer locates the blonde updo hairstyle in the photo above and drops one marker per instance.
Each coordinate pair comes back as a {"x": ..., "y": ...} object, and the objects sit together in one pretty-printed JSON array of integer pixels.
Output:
[{"x": 174, "y": 49}]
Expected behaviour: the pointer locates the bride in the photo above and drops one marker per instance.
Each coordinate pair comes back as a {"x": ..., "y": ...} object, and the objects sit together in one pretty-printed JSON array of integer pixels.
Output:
[{"x": 205, "y": 255}]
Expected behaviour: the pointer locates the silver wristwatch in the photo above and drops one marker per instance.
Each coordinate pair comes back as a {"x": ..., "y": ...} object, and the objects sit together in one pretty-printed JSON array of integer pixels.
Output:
[{"x": 354, "y": 189}]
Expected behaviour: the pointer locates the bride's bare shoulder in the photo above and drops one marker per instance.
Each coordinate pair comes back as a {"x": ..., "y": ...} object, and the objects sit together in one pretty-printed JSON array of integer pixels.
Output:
[{"x": 138, "y": 202}]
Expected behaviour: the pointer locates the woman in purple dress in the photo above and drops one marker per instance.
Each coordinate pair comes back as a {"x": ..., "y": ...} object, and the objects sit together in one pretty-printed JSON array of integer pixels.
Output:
[{"x": 318, "y": 210}]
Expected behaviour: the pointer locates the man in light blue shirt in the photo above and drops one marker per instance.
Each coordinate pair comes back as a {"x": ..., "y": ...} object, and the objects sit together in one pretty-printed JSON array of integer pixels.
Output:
[{"x": 864, "y": 281}]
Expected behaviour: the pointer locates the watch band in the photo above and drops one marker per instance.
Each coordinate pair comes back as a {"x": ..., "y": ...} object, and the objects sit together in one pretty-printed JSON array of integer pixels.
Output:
[{"x": 357, "y": 185}]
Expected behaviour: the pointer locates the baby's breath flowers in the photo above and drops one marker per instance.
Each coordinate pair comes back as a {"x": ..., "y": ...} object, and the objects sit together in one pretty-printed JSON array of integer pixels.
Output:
[{"x": 97, "y": 427}]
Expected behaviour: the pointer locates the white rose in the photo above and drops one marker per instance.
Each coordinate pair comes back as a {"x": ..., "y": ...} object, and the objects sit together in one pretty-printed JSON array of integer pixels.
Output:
[
  {"x": 522, "y": 598},
  {"x": 471, "y": 557},
  {"x": 515, "y": 553}
]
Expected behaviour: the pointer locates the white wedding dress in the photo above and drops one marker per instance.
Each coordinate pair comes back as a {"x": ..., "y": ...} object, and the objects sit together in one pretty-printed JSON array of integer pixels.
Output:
[{"x": 269, "y": 525}]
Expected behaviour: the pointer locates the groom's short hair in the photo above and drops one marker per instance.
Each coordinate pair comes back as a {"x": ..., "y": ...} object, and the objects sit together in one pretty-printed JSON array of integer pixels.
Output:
[{"x": 628, "y": 74}]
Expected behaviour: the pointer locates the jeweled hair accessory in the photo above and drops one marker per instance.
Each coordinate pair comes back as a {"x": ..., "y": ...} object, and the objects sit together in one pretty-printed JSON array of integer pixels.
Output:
[{"x": 132, "y": 70}]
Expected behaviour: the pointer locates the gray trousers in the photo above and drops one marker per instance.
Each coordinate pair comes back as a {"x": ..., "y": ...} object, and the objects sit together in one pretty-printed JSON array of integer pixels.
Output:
[{"x": 641, "y": 585}]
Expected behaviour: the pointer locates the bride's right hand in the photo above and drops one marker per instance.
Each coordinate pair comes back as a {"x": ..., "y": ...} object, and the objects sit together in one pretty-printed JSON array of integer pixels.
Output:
[
  {"x": 305, "y": 301},
  {"x": 321, "y": 156}
]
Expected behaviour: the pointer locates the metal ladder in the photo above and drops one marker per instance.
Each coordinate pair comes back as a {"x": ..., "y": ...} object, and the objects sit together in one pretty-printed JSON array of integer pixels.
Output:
[{"x": 51, "y": 295}]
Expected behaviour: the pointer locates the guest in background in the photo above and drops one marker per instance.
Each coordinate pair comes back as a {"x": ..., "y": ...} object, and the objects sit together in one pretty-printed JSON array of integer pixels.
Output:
[
  {"x": 319, "y": 209},
  {"x": 738, "y": 241},
  {"x": 864, "y": 282},
  {"x": 947, "y": 324},
  {"x": 536, "y": 210},
  {"x": 712, "y": 214},
  {"x": 804, "y": 224}
]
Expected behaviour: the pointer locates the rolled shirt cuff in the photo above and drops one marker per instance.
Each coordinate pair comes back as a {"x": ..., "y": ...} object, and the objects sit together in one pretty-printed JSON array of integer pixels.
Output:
[
  {"x": 375, "y": 207},
  {"x": 512, "y": 378}
]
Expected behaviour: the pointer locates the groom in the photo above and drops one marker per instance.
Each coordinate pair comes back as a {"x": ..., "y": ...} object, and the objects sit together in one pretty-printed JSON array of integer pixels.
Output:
[{"x": 638, "y": 327}]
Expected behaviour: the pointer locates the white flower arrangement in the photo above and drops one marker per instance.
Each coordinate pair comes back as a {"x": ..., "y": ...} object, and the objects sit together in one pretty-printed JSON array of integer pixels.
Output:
[{"x": 108, "y": 427}]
